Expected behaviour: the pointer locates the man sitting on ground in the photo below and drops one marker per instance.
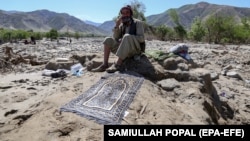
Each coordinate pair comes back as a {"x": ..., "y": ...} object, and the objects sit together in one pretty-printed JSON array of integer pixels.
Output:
[{"x": 127, "y": 41}]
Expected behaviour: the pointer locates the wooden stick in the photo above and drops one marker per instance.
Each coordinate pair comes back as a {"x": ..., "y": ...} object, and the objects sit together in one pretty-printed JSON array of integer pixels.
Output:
[{"x": 143, "y": 108}]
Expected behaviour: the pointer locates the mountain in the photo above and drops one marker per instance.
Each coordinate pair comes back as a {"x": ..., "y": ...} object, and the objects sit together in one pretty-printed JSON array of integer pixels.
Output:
[
  {"x": 107, "y": 26},
  {"x": 202, "y": 10},
  {"x": 44, "y": 20},
  {"x": 92, "y": 23}
]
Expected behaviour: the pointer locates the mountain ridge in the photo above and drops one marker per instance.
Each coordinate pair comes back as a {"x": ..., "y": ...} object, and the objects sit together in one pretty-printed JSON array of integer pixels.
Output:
[
  {"x": 44, "y": 20},
  {"x": 202, "y": 10},
  {"x": 92, "y": 23}
]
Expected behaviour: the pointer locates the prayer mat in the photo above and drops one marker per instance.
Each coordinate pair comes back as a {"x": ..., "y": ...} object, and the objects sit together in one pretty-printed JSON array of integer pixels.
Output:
[{"x": 106, "y": 101}]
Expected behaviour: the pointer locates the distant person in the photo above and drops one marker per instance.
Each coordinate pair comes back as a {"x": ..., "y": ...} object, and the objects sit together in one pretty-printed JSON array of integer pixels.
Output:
[
  {"x": 33, "y": 40},
  {"x": 127, "y": 41},
  {"x": 26, "y": 42}
]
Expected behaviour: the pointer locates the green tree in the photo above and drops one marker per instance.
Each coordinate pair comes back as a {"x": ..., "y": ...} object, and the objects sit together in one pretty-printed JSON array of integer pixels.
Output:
[
  {"x": 7, "y": 36},
  {"x": 220, "y": 28},
  {"x": 197, "y": 31},
  {"x": 162, "y": 31},
  {"x": 21, "y": 34},
  {"x": 179, "y": 29},
  {"x": 37, "y": 35},
  {"x": 242, "y": 32},
  {"x": 77, "y": 35},
  {"x": 52, "y": 34},
  {"x": 1, "y": 35},
  {"x": 138, "y": 10},
  {"x": 174, "y": 16}
]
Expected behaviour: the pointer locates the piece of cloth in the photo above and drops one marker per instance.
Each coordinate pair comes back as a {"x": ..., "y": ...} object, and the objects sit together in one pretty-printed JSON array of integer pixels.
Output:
[
  {"x": 106, "y": 101},
  {"x": 181, "y": 50},
  {"x": 59, "y": 74},
  {"x": 159, "y": 55},
  {"x": 55, "y": 74}
]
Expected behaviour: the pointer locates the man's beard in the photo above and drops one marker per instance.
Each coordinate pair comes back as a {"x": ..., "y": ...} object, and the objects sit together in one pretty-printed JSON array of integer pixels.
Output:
[{"x": 126, "y": 20}]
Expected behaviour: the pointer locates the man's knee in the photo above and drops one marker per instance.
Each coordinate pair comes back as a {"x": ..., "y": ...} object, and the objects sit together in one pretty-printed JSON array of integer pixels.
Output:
[
  {"x": 127, "y": 36},
  {"x": 108, "y": 41}
]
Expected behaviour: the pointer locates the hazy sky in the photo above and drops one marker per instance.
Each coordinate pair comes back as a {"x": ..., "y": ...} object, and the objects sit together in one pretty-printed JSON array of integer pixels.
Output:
[{"x": 104, "y": 10}]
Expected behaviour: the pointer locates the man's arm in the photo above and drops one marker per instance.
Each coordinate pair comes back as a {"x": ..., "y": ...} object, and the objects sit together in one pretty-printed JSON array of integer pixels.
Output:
[
  {"x": 117, "y": 33},
  {"x": 140, "y": 31},
  {"x": 117, "y": 30}
]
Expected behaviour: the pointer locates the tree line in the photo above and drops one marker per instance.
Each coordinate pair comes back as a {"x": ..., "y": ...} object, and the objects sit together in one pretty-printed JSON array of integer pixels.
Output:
[
  {"x": 9, "y": 35},
  {"x": 217, "y": 28}
]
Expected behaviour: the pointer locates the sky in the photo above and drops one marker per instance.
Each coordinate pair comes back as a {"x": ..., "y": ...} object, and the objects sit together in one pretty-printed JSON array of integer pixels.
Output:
[{"x": 100, "y": 11}]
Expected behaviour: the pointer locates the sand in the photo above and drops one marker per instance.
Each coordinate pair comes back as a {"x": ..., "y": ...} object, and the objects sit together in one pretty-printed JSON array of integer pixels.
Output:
[{"x": 30, "y": 102}]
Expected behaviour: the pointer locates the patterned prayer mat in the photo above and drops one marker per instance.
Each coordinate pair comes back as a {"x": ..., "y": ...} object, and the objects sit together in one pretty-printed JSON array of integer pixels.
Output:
[{"x": 107, "y": 100}]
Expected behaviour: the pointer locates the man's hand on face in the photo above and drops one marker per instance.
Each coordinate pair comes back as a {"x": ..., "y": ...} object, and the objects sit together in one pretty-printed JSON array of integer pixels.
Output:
[{"x": 118, "y": 21}]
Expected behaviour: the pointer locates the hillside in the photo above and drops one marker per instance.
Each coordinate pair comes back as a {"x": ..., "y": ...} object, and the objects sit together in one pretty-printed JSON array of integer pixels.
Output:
[
  {"x": 107, "y": 26},
  {"x": 44, "y": 20},
  {"x": 202, "y": 10}
]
